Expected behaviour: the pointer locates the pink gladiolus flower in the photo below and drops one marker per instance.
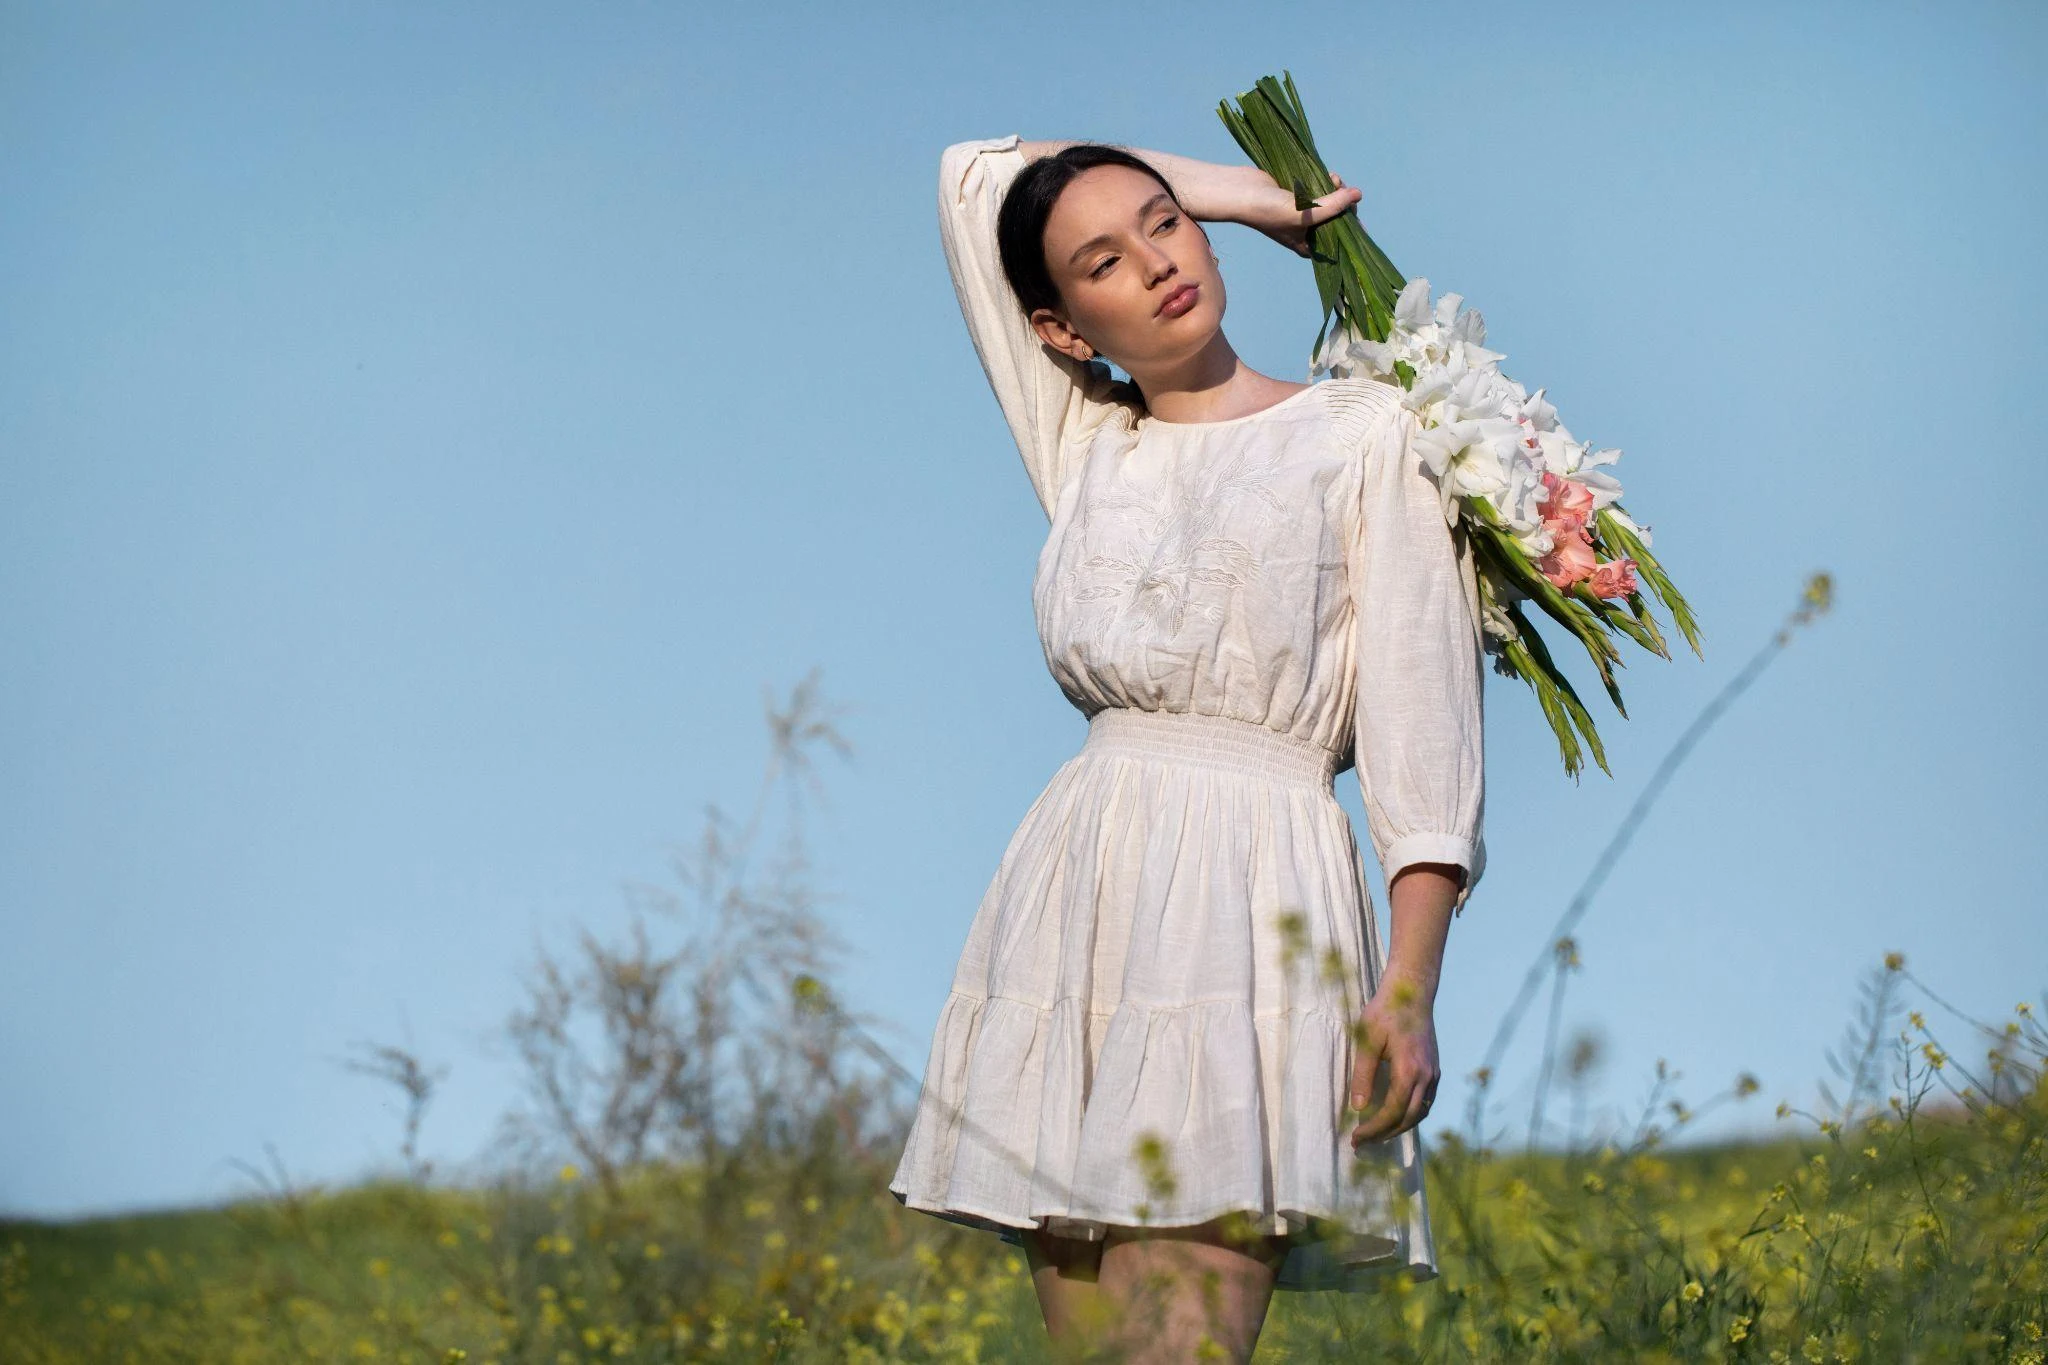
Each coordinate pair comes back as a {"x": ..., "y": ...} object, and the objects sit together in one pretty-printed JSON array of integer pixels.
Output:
[
  {"x": 1615, "y": 578},
  {"x": 1568, "y": 504},
  {"x": 1570, "y": 561}
]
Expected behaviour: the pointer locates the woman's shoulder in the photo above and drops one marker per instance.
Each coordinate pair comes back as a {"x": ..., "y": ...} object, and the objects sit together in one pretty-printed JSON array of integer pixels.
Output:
[
  {"x": 1360, "y": 394},
  {"x": 1358, "y": 405},
  {"x": 1120, "y": 404}
]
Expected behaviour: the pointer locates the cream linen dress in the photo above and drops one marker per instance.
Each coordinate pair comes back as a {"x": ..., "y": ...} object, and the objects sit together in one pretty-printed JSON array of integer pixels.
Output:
[{"x": 1178, "y": 935}]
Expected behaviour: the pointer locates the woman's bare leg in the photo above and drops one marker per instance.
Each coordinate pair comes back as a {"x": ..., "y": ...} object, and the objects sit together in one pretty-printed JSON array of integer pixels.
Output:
[
  {"x": 1064, "y": 1271},
  {"x": 1173, "y": 1287}
]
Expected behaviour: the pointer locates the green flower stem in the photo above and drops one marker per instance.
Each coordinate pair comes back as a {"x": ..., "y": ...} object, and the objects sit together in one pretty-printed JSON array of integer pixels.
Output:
[
  {"x": 1566, "y": 611},
  {"x": 1568, "y": 696},
  {"x": 1614, "y": 534},
  {"x": 1614, "y": 619}
]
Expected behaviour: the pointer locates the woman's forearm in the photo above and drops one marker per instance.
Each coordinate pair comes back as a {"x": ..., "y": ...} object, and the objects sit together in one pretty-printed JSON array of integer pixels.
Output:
[
  {"x": 1420, "y": 908},
  {"x": 1210, "y": 192}
]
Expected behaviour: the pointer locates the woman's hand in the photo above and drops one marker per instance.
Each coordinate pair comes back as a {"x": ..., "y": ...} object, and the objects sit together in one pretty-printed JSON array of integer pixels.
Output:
[
  {"x": 1273, "y": 213},
  {"x": 1394, "y": 1071},
  {"x": 1394, "y": 1068}
]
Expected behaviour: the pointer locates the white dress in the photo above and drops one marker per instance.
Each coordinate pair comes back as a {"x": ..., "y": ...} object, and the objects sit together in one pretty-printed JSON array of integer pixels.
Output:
[{"x": 1178, "y": 936}]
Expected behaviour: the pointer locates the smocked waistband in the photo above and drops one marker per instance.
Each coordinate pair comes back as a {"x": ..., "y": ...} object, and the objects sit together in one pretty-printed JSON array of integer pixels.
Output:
[{"x": 1240, "y": 746}]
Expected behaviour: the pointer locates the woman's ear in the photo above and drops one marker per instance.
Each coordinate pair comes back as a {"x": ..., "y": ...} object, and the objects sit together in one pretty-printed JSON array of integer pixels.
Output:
[{"x": 1057, "y": 333}]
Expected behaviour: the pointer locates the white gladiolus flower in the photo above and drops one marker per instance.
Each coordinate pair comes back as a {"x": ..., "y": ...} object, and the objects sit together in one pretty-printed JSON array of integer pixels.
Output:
[
  {"x": 1538, "y": 413},
  {"x": 1347, "y": 355},
  {"x": 1439, "y": 336},
  {"x": 1482, "y": 434},
  {"x": 1520, "y": 505},
  {"x": 1568, "y": 459},
  {"x": 1466, "y": 452},
  {"x": 1628, "y": 524}
]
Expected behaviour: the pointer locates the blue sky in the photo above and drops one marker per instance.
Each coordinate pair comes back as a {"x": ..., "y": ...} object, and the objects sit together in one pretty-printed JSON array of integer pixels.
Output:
[{"x": 426, "y": 429}]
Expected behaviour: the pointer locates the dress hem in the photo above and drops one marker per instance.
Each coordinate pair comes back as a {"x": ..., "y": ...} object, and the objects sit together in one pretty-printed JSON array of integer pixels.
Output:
[{"x": 1310, "y": 1265}]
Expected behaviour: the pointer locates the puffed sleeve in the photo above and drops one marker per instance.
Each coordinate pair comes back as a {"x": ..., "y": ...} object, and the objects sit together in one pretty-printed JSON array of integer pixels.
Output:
[
  {"x": 1420, "y": 754},
  {"x": 1051, "y": 401}
]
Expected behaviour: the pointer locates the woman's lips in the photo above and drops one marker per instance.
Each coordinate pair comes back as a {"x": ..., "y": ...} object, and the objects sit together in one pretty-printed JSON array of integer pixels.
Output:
[{"x": 1180, "y": 300}]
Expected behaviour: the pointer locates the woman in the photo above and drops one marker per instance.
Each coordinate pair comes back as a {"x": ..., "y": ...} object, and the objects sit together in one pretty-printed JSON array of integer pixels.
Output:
[{"x": 1173, "y": 1042}]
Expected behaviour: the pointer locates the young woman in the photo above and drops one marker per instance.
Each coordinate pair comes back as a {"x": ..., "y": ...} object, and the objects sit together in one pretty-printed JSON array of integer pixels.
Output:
[{"x": 1148, "y": 1060}]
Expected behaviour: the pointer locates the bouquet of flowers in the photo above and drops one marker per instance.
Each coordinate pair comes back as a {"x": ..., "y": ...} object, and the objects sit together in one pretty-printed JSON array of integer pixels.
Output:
[{"x": 1542, "y": 510}]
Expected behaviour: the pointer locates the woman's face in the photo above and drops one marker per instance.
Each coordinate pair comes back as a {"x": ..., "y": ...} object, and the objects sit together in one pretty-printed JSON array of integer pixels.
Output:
[{"x": 1120, "y": 251}]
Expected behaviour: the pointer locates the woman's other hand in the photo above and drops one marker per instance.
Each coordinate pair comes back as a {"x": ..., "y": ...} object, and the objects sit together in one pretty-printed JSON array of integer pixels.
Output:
[
  {"x": 1394, "y": 1072},
  {"x": 1394, "y": 1069}
]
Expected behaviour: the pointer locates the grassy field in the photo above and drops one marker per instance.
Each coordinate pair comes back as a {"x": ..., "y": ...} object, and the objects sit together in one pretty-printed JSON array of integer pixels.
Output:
[
  {"x": 701, "y": 1173},
  {"x": 1908, "y": 1236}
]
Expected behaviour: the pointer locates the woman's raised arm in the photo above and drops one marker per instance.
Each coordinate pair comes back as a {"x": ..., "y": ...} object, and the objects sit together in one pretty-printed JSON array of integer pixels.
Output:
[
  {"x": 1050, "y": 400},
  {"x": 1207, "y": 190}
]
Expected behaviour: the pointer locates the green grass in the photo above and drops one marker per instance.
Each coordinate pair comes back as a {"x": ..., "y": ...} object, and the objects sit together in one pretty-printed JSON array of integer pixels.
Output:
[
  {"x": 1893, "y": 1227},
  {"x": 1906, "y": 1237}
]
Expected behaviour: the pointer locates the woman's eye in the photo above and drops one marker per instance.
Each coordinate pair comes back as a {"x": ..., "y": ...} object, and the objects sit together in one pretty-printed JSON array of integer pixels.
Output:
[{"x": 1108, "y": 261}]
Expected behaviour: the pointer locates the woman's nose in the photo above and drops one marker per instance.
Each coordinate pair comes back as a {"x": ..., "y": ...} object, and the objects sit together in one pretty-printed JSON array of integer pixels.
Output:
[{"x": 1158, "y": 265}]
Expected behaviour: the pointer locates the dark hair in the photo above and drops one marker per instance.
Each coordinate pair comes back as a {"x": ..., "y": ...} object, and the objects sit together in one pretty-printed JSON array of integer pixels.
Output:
[{"x": 1020, "y": 223}]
